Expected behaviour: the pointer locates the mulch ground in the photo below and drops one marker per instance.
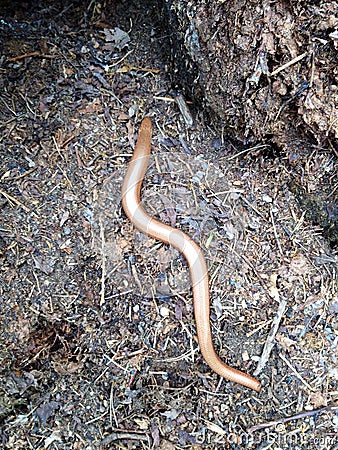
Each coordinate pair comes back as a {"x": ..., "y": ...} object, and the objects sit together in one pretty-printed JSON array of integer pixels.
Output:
[{"x": 98, "y": 345}]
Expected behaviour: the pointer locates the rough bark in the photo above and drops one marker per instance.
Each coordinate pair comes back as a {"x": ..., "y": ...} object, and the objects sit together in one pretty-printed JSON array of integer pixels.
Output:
[{"x": 234, "y": 52}]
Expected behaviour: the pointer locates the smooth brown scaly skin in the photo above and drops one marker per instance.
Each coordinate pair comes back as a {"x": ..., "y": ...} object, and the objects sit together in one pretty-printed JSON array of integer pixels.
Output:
[{"x": 193, "y": 254}]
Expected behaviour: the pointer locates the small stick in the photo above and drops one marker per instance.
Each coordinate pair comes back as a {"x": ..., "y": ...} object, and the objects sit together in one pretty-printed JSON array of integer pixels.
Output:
[
  {"x": 28, "y": 55},
  {"x": 112, "y": 413},
  {"x": 165, "y": 99},
  {"x": 137, "y": 279},
  {"x": 333, "y": 191},
  {"x": 57, "y": 147},
  {"x": 18, "y": 177},
  {"x": 288, "y": 64},
  {"x": 295, "y": 417},
  {"x": 295, "y": 372},
  {"x": 14, "y": 200},
  {"x": 64, "y": 143},
  {"x": 124, "y": 435},
  {"x": 184, "y": 109},
  {"x": 252, "y": 207},
  {"x": 247, "y": 150},
  {"x": 25, "y": 55},
  {"x": 120, "y": 60},
  {"x": 270, "y": 341}
]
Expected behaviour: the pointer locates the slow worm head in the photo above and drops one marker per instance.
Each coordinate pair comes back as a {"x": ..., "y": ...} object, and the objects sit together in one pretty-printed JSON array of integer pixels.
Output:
[{"x": 198, "y": 269}]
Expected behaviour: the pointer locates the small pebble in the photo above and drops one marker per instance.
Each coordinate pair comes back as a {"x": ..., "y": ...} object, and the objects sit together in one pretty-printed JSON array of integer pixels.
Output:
[
  {"x": 245, "y": 356},
  {"x": 164, "y": 311},
  {"x": 266, "y": 198},
  {"x": 66, "y": 230}
]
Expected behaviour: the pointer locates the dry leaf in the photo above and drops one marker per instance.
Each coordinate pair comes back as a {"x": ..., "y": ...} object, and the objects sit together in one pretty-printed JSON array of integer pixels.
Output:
[
  {"x": 67, "y": 367},
  {"x": 285, "y": 342},
  {"x": 118, "y": 37},
  {"x": 143, "y": 424},
  {"x": 47, "y": 410},
  {"x": 317, "y": 399}
]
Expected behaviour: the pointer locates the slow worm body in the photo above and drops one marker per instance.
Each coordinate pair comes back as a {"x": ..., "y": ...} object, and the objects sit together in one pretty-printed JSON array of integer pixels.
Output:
[{"x": 198, "y": 269}]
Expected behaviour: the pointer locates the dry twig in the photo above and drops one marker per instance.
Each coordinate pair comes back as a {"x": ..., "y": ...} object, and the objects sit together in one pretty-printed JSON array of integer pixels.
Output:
[
  {"x": 118, "y": 435},
  {"x": 10, "y": 198},
  {"x": 270, "y": 341},
  {"x": 298, "y": 375},
  {"x": 301, "y": 415},
  {"x": 288, "y": 64}
]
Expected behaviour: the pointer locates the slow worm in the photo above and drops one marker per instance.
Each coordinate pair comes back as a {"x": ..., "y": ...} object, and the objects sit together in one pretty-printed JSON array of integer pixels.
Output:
[{"x": 131, "y": 203}]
